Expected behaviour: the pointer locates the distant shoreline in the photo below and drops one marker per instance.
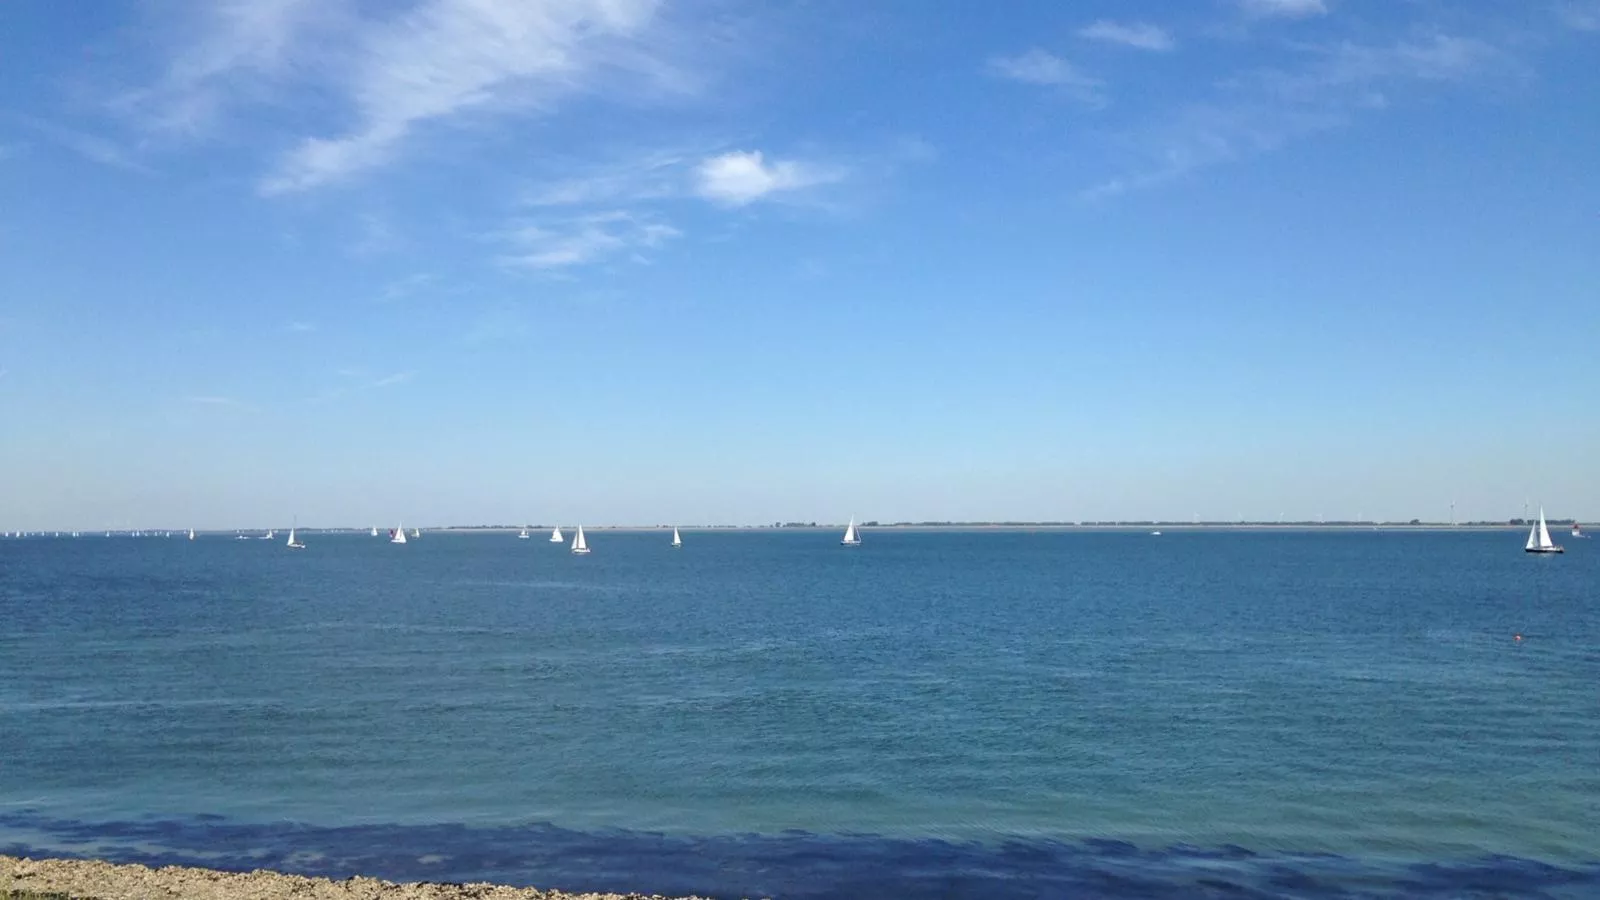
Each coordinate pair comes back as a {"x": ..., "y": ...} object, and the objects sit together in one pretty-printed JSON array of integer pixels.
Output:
[
  {"x": 98, "y": 880},
  {"x": 540, "y": 533},
  {"x": 1026, "y": 526}
]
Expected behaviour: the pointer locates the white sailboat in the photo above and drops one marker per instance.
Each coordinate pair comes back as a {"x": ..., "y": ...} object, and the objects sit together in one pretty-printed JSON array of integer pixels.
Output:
[
  {"x": 555, "y": 536},
  {"x": 191, "y": 534},
  {"x": 294, "y": 544},
  {"x": 676, "y": 540},
  {"x": 579, "y": 545},
  {"x": 524, "y": 534},
  {"x": 416, "y": 532},
  {"x": 399, "y": 536},
  {"x": 1577, "y": 532},
  {"x": 1539, "y": 538},
  {"x": 269, "y": 535},
  {"x": 851, "y": 539},
  {"x": 374, "y": 531}
]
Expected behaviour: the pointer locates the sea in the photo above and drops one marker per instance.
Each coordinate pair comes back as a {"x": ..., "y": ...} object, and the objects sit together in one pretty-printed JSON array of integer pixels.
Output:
[{"x": 765, "y": 713}]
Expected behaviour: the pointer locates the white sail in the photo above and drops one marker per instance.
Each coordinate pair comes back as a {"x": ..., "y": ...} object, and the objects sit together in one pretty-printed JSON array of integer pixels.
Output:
[
  {"x": 399, "y": 536},
  {"x": 1533, "y": 538},
  {"x": 555, "y": 536},
  {"x": 191, "y": 534},
  {"x": 1544, "y": 533},
  {"x": 416, "y": 532},
  {"x": 294, "y": 544},
  {"x": 524, "y": 534},
  {"x": 579, "y": 545},
  {"x": 850, "y": 536},
  {"x": 374, "y": 531},
  {"x": 676, "y": 540}
]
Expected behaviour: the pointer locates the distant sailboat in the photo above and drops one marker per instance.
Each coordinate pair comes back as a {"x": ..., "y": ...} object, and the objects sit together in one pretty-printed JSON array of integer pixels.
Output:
[
  {"x": 524, "y": 535},
  {"x": 1539, "y": 538},
  {"x": 191, "y": 534},
  {"x": 269, "y": 535},
  {"x": 1155, "y": 534},
  {"x": 399, "y": 536},
  {"x": 374, "y": 531},
  {"x": 579, "y": 545},
  {"x": 555, "y": 536},
  {"x": 676, "y": 540},
  {"x": 294, "y": 544},
  {"x": 851, "y": 539},
  {"x": 416, "y": 532},
  {"x": 1577, "y": 532}
]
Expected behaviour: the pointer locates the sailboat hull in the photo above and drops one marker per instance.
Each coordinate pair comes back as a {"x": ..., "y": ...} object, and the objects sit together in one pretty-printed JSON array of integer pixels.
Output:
[{"x": 1543, "y": 550}]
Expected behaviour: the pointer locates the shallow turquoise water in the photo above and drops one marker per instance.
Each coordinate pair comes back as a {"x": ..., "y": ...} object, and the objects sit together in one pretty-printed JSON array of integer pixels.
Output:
[{"x": 1357, "y": 694}]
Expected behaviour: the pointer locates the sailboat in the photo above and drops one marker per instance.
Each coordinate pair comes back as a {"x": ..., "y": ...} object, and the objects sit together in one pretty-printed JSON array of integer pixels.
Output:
[
  {"x": 579, "y": 545},
  {"x": 555, "y": 536},
  {"x": 399, "y": 536},
  {"x": 191, "y": 534},
  {"x": 676, "y": 540},
  {"x": 294, "y": 544},
  {"x": 851, "y": 539},
  {"x": 374, "y": 531},
  {"x": 416, "y": 532},
  {"x": 524, "y": 535},
  {"x": 1539, "y": 538},
  {"x": 269, "y": 535},
  {"x": 1577, "y": 532}
]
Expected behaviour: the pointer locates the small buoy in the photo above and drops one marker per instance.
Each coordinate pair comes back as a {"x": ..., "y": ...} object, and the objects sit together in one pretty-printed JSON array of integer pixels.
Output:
[{"x": 1519, "y": 635}]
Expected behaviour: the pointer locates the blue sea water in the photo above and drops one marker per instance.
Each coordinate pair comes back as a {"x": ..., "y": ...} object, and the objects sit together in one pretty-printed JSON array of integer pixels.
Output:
[{"x": 766, "y": 713}]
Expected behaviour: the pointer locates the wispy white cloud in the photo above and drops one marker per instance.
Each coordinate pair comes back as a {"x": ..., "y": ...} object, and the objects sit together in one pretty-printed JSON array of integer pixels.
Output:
[
  {"x": 446, "y": 58},
  {"x": 728, "y": 178},
  {"x": 1138, "y": 35},
  {"x": 501, "y": 322},
  {"x": 92, "y": 147},
  {"x": 1580, "y": 15},
  {"x": 302, "y": 327},
  {"x": 653, "y": 175},
  {"x": 357, "y": 381},
  {"x": 229, "y": 48},
  {"x": 1042, "y": 67},
  {"x": 391, "y": 380},
  {"x": 408, "y": 286},
  {"x": 741, "y": 177},
  {"x": 1288, "y": 9},
  {"x": 561, "y": 243},
  {"x": 375, "y": 235},
  {"x": 1263, "y": 110}
]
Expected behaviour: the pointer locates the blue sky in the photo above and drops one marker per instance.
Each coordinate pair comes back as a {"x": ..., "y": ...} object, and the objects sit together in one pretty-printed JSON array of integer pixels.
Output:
[{"x": 460, "y": 261}]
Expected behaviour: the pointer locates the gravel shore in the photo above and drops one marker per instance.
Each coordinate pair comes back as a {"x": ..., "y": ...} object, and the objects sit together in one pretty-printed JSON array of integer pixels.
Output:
[{"x": 94, "y": 880}]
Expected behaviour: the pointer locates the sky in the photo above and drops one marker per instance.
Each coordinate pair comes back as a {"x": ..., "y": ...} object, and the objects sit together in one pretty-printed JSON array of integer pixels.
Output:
[{"x": 346, "y": 262}]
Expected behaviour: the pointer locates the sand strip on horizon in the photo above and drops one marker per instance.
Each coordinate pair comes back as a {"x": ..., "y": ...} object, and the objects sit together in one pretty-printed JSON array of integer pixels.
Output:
[{"x": 96, "y": 880}]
